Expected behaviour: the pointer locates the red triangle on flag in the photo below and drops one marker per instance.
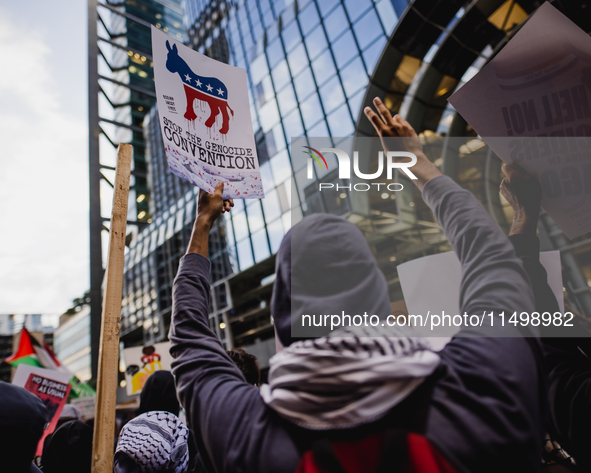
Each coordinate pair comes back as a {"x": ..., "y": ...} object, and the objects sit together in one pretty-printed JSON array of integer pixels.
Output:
[{"x": 25, "y": 347}]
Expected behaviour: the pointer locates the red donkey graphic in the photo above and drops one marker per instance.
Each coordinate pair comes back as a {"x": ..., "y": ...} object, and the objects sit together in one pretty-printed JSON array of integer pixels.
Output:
[{"x": 208, "y": 89}]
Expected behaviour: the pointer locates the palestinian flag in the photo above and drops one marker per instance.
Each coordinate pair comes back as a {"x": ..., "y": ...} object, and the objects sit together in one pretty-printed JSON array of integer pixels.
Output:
[
  {"x": 27, "y": 351},
  {"x": 31, "y": 352}
]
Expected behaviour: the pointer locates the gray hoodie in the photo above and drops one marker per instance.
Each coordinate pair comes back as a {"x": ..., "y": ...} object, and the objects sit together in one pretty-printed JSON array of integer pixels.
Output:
[{"x": 486, "y": 406}]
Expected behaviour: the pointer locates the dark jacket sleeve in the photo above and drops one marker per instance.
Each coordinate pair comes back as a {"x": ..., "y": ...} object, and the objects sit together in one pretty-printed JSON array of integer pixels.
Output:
[
  {"x": 527, "y": 248},
  {"x": 569, "y": 393},
  {"x": 487, "y": 410},
  {"x": 233, "y": 428}
]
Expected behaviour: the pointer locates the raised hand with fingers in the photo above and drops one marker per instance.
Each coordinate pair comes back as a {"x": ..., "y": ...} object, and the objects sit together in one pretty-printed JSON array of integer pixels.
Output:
[
  {"x": 397, "y": 134},
  {"x": 209, "y": 208},
  {"x": 388, "y": 126}
]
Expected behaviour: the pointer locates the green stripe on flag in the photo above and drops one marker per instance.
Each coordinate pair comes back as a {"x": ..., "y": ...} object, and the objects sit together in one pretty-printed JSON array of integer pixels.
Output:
[{"x": 26, "y": 360}]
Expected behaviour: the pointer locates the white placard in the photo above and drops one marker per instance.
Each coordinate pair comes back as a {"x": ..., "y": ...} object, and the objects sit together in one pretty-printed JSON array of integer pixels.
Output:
[
  {"x": 141, "y": 362},
  {"x": 432, "y": 284},
  {"x": 526, "y": 103},
  {"x": 205, "y": 119},
  {"x": 24, "y": 371}
]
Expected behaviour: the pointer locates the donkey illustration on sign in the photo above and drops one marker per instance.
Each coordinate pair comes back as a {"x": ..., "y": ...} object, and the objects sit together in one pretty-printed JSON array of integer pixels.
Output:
[{"x": 208, "y": 89}]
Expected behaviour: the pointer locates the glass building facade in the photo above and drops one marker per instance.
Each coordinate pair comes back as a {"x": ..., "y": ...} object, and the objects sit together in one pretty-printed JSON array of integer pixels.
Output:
[
  {"x": 71, "y": 343},
  {"x": 312, "y": 66}
]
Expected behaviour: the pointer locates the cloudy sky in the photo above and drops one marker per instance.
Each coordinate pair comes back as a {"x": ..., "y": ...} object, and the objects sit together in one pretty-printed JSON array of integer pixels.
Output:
[{"x": 43, "y": 162}]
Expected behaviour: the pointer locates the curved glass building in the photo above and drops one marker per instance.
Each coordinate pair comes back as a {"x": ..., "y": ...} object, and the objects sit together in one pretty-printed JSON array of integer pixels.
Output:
[{"x": 312, "y": 66}]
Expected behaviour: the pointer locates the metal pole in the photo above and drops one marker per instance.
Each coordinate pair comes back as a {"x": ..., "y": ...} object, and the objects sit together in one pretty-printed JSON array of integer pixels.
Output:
[{"x": 96, "y": 223}]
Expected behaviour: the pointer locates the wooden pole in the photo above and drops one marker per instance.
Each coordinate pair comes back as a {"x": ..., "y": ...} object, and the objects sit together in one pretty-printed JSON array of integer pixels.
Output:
[{"x": 108, "y": 368}]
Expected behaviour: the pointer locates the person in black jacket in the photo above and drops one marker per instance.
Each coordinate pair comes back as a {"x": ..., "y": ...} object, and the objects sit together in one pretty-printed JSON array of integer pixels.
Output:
[
  {"x": 22, "y": 419},
  {"x": 568, "y": 359}
]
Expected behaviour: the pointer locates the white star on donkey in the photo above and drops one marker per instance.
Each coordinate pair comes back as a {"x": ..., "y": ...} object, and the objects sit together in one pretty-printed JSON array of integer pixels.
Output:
[
  {"x": 220, "y": 91},
  {"x": 209, "y": 88},
  {"x": 187, "y": 78},
  {"x": 198, "y": 83}
]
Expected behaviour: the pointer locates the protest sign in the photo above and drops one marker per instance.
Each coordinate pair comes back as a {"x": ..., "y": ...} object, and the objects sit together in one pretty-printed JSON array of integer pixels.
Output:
[
  {"x": 141, "y": 362},
  {"x": 86, "y": 406},
  {"x": 442, "y": 275},
  {"x": 48, "y": 385},
  {"x": 531, "y": 105},
  {"x": 205, "y": 119}
]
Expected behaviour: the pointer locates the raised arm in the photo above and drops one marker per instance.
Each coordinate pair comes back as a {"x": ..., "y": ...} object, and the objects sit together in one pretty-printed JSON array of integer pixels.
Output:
[
  {"x": 233, "y": 428},
  {"x": 492, "y": 277},
  {"x": 491, "y": 398}
]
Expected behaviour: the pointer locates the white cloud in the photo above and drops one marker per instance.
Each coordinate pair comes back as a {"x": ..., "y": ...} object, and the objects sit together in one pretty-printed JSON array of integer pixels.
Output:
[{"x": 43, "y": 182}]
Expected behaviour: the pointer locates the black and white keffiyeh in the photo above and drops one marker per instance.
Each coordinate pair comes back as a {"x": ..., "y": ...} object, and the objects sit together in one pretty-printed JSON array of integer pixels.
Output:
[
  {"x": 157, "y": 441},
  {"x": 349, "y": 378}
]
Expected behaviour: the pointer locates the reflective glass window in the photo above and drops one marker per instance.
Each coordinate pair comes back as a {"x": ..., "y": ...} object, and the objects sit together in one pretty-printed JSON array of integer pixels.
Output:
[
  {"x": 323, "y": 67},
  {"x": 281, "y": 75},
  {"x": 244, "y": 254},
  {"x": 278, "y": 138},
  {"x": 293, "y": 125},
  {"x": 332, "y": 95},
  {"x": 238, "y": 205},
  {"x": 255, "y": 215},
  {"x": 286, "y": 220},
  {"x": 387, "y": 15},
  {"x": 266, "y": 176},
  {"x": 311, "y": 111},
  {"x": 269, "y": 115},
  {"x": 344, "y": 49},
  {"x": 281, "y": 166},
  {"x": 240, "y": 225},
  {"x": 268, "y": 19},
  {"x": 272, "y": 28},
  {"x": 260, "y": 245},
  {"x": 372, "y": 54},
  {"x": 308, "y": 18},
  {"x": 326, "y": 6},
  {"x": 355, "y": 8},
  {"x": 229, "y": 232},
  {"x": 271, "y": 205},
  {"x": 298, "y": 60},
  {"x": 354, "y": 77},
  {"x": 319, "y": 130},
  {"x": 258, "y": 69},
  {"x": 264, "y": 91},
  {"x": 336, "y": 23},
  {"x": 282, "y": 193},
  {"x": 275, "y": 231},
  {"x": 288, "y": 14},
  {"x": 291, "y": 36},
  {"x": 287, "y": 100},
  {"x": 356, "y": 101},
  {"x": 274, "y": 52},
  {"x": 340, "y": 122},
  {"x": 316, "y": 42},
  {"x": 367, "y": 29},
  {"x": 304, "y": 84}
]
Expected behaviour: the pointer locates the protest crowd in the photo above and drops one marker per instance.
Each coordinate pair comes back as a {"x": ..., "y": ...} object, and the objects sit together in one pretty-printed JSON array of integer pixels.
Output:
[
  {"x": 363, "y": 398},
  {"x": 355, "y": 400}
]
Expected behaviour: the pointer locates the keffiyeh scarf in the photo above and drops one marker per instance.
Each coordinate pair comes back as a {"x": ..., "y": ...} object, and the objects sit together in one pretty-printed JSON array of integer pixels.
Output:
[
  {"x": 157, "y": 442},
  {"x": 349, "y": 378}
]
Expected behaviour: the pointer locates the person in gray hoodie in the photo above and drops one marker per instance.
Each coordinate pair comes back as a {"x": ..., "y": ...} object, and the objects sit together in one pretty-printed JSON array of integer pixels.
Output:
[{"x": 484, "y": 391}]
